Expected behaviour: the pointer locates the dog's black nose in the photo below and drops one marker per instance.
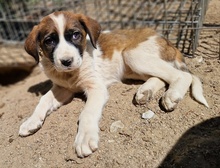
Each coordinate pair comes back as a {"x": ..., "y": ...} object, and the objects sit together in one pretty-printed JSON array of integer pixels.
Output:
[{"x": 66, "y": 62}]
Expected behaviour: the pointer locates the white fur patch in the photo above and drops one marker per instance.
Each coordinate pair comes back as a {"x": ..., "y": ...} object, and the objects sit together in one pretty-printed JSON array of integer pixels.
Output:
[
  {"x": 59, "y": 22},
  {"x": 112, "y": 70},
  {"x": 149, "y": 48}
]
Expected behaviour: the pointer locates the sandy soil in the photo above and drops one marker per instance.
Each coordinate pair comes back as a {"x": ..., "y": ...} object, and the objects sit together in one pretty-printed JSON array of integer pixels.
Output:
[{"x": 187, "y": 137}]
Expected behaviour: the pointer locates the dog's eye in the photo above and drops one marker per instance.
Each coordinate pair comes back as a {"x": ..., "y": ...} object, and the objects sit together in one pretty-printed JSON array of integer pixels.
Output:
[
  {"x": 73, "y": 36},
  {"x": 50, "y": 41},
  {"x": 76, "y": 35}
]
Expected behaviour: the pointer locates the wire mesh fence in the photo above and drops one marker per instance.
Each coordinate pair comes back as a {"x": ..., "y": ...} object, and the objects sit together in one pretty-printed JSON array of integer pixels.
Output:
[{"x": 177, "y": 20}]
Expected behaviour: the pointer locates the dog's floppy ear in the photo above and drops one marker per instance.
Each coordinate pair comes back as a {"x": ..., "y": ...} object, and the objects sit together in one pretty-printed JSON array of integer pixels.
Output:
[
  {"x": 92, "y": 27},
  {"x": 31, "y": 43}
]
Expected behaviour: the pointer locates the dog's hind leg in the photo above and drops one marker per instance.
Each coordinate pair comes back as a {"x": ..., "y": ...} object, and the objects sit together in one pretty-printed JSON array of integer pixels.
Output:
[
  {"x": 147, "y": 90},
  {"x": 52, "y": 100},
  {"x": 145, "y": 63}
]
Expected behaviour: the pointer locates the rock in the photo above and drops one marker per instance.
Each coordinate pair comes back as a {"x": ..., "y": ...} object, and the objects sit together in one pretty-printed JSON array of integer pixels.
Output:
[
  {"x": 116, "y": 125},
  {"x": 148, "y": 114},
  {"x": 199, "y": 59}
]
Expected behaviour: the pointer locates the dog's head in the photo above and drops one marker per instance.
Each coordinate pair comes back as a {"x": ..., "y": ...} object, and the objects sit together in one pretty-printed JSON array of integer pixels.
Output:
[{"x": 61, "y": 37}]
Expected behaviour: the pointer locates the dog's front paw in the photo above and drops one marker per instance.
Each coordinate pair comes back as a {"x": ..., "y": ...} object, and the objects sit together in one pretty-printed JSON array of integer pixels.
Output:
[
  {"x": 86, "y": 141},
  {"x": 142, "y": 98},
  {"x": 170, "y": 100},
  {"x": 30, "y": 126}
]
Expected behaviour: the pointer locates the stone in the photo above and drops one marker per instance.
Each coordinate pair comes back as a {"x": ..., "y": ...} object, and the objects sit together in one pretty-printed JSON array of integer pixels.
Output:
[{"x": 115, "y": 126}]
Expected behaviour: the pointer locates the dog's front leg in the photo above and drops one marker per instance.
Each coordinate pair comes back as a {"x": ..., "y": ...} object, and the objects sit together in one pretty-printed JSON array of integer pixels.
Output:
[
  {"x": 87, "y": 137},
  {"x": 52, "y": 100}
]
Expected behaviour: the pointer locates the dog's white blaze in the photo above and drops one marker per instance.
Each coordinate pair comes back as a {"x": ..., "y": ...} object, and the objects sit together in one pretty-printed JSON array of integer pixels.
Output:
[
  {"x": 60, "y": 23},
  {"x": 64, "y": 49}
]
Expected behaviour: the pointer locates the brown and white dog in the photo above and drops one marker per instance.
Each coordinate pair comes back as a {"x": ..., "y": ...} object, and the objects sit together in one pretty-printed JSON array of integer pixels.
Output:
[{"x": 75, "y": 64}]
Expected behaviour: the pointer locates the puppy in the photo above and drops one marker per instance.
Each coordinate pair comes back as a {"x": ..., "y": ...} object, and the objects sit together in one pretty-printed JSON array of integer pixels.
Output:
[{"x": 75, "y": 64}]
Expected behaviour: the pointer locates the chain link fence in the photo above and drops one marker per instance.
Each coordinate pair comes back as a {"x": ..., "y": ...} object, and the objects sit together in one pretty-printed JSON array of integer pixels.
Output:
[{"x": 178, "y": 20}]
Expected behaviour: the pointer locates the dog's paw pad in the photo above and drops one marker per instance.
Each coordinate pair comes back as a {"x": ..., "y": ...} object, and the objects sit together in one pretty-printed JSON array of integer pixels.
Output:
[
  {"x": 142, "y": 98},
  {"x": 30, "y": 126}
]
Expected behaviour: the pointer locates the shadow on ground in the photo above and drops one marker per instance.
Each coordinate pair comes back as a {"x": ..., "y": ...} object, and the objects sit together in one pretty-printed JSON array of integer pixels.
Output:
[
  {"x": 199, "y": 147},
  {"x": 41, "y": 88},
  {"x": 12, "y": 76}
]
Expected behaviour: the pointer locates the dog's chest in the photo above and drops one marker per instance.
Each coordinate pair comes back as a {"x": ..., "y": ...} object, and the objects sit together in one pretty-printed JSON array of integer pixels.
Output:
[{"x": 66, "y": 80}]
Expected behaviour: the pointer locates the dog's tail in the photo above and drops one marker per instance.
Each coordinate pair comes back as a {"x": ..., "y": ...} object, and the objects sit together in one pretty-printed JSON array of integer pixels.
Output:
[
  {"x": 196, "y": 86},
  {"x": 197, "y": 91}
]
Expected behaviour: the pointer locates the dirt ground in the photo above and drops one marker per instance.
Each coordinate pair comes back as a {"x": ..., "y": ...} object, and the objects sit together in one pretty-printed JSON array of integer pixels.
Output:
[{"x": 187, "y": 137}]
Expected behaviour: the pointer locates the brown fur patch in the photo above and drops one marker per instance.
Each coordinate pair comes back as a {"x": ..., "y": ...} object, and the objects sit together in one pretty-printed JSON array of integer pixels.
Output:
[
  {"x": 168, "y": 52},
  {"x": 123, "y": 40},
  {"x": 34, "y": 40}
]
